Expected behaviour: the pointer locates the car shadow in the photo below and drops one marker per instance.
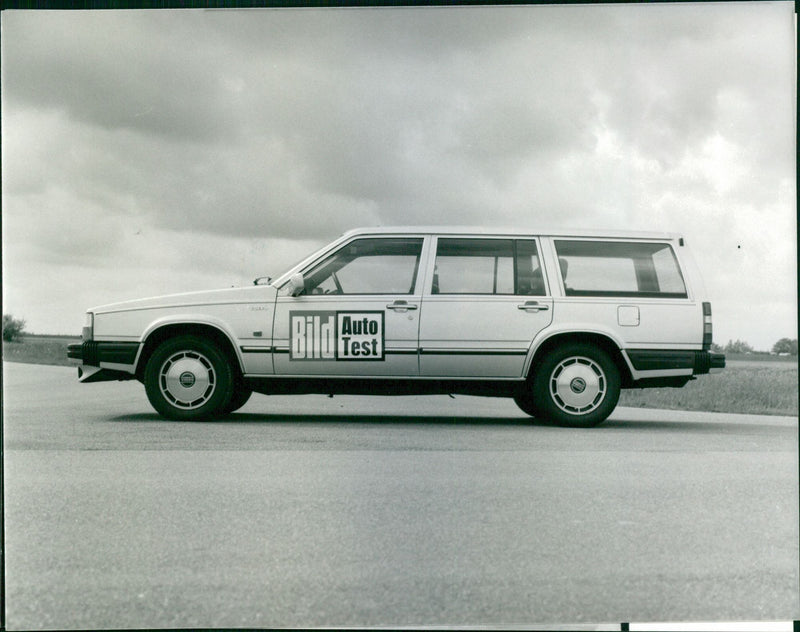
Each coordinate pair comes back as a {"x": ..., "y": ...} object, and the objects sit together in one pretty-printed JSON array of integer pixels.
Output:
[
  {"x": 706, "y": 427},
  {"x": 611, "y": 425},
  {"x": 323, "y": 418}
]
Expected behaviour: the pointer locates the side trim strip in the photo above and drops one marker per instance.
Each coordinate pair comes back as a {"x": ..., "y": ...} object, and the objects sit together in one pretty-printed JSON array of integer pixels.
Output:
[
  {"x": 381, "y": 378},
  {"x": 475, "y": 352},
  {"x": 286, "y": 350}
]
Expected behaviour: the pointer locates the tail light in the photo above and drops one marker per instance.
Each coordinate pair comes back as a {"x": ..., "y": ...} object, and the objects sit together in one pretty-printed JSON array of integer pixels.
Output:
[{"x": 707, "y": 327}]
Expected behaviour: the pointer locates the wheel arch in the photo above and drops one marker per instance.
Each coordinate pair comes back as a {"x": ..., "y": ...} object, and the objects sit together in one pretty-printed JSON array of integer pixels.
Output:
[
  {"x": 165, "y": 331},
  {"x": 600, "y": 340}
]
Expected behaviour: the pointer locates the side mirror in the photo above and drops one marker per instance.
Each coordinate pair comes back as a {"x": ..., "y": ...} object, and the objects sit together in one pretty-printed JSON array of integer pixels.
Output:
[{"x": 297, "y": 284}]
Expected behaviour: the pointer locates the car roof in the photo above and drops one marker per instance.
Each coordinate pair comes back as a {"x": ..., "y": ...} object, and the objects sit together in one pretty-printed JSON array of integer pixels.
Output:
[{"x": 497, "y": 231}]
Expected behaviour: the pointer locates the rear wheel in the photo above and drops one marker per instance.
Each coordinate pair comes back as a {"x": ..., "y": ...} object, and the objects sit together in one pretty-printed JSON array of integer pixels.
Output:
[
  {"x": 188, "y": 378},
  {"x": 577, "y": 385}
]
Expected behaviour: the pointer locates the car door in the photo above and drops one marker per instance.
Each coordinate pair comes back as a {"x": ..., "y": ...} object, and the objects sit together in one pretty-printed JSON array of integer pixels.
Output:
[
  {"x": 485, "y": 300},
  {"x": 358, "y": 314}
]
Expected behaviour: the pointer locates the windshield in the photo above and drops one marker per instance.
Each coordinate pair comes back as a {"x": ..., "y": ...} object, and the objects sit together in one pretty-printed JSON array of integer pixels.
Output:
[{"x": 283, "y": 278}]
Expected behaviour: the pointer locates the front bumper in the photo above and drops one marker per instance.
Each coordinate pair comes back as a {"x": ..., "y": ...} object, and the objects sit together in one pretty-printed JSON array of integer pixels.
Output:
[
  {"x": 104, "y": 361},
  {"x": 93, "y": 352}
]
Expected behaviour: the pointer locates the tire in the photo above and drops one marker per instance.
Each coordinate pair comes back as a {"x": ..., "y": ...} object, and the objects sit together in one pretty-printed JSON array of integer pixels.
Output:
[
  {"x": 189, "y": 379},
  {"x": 240, "y": 396},
  {"x": 576, "y": 385},
  {"x": 527, "y": 405}
]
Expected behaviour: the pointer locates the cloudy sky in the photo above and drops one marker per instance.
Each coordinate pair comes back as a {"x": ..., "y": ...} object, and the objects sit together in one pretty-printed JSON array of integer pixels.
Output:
[{"x": 151, "y": 152}]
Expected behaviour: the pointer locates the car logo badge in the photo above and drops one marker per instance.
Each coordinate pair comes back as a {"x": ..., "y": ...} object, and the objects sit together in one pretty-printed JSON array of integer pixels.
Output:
[
  {"x": 578, "y": 385},
  {"x": 187, "y": 379}
]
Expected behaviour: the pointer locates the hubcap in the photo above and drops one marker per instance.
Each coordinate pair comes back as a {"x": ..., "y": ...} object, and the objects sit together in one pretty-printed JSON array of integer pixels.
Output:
[
  {"x": 187, "y": 379},
  {"x": 578, "y": 385}
]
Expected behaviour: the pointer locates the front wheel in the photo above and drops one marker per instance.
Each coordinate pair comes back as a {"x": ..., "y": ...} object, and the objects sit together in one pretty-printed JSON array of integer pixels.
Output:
[
  {"x": 577, "y": 385},
  {"x": 527, "y": 405},
  {"x": 240, "y": 396},
  {"x": 188, "y": 378}
]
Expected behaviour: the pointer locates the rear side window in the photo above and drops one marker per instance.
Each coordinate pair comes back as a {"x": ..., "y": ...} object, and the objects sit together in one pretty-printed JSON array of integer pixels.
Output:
[
  {"x": 487, "y": 266},
  {"x": 610, "y": 268}
]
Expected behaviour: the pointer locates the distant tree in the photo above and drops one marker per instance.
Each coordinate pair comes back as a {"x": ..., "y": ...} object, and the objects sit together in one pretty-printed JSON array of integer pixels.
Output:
[
  {"x": 716, "y": 348},
  {"x": 786, "y": 345},
  {"x": 740, "y": 346},
  {"x": 12, "y": 328}
]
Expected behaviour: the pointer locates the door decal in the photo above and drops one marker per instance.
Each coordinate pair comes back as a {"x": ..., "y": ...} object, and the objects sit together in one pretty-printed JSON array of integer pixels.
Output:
[{"x": 336, "y": 335}]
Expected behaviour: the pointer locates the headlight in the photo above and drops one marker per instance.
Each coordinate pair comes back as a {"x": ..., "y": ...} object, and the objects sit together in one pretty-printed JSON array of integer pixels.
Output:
[{"x": 88, "y": 327}]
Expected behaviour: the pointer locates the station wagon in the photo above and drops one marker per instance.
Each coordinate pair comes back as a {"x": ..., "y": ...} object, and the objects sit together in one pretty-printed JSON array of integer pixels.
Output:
[{"x": 560, "y": 321}]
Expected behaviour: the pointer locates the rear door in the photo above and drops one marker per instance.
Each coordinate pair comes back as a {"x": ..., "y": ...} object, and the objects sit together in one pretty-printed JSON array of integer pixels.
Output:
[
  {"x": 358, "y": 315},
  {"x": 485, "y": 300}
]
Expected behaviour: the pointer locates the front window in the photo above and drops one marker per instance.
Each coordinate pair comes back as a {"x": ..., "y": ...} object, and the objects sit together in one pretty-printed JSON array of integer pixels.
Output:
[
  {"x": 368, "y": 266},
  {"x": 607, "y": 268}
]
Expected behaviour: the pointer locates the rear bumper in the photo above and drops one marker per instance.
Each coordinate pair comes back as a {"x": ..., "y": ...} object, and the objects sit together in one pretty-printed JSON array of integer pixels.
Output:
[
  {"x": 699, "y": 362},
  {"x": 717, "y": 362}
]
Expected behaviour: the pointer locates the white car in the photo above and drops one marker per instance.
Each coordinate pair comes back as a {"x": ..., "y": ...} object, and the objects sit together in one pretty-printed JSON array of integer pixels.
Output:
[{"x": 560, "y": 321}]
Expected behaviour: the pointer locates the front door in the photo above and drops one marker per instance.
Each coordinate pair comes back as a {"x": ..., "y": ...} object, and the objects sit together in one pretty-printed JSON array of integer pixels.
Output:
[
  {"x": 485, "y": 301},
  {"x": 358, "y": 314}
]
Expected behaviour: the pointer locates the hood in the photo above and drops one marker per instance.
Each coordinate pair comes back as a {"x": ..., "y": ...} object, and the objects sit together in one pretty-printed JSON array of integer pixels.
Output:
[{"x": 249, "y": 294}]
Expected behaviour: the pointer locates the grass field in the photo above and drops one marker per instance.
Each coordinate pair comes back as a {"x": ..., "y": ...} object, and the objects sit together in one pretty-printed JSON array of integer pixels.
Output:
[
  {"x": 39, "y": 350},
  {"x": 744, "y": 386},
  {"x": 758, "y": 384}
]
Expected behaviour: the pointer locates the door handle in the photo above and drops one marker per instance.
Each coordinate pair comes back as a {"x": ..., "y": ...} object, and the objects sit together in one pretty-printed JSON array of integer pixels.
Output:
[
  {"x": 533, "y": 306},
  {"x": 401, "y": 306}
]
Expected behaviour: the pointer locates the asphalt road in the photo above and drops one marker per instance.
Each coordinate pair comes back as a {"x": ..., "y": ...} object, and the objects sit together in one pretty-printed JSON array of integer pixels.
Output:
[{"x": 416, "y": 511}]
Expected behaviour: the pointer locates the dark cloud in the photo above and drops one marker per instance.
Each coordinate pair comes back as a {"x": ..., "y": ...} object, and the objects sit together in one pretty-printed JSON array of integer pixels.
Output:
[
  {"x": 428, "y": 34},
  {"x": 116, "y": 70}
]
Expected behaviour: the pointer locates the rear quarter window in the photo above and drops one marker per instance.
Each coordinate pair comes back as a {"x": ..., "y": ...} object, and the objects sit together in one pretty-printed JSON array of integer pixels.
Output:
[{"x": 615, "y": 268}]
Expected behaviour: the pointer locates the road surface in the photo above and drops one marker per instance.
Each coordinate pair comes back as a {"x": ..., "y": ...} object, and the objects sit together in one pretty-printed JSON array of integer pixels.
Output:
[{"x": 416, "y": 511}]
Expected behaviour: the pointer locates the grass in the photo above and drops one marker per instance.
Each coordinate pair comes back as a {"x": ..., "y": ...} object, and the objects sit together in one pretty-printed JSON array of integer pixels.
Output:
[
  {"x": 39, "y": 350},
  {"x": 759, "y": 388},
  {"x": 760, "y": 356},
  {"x": 755, "y": 384}
]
